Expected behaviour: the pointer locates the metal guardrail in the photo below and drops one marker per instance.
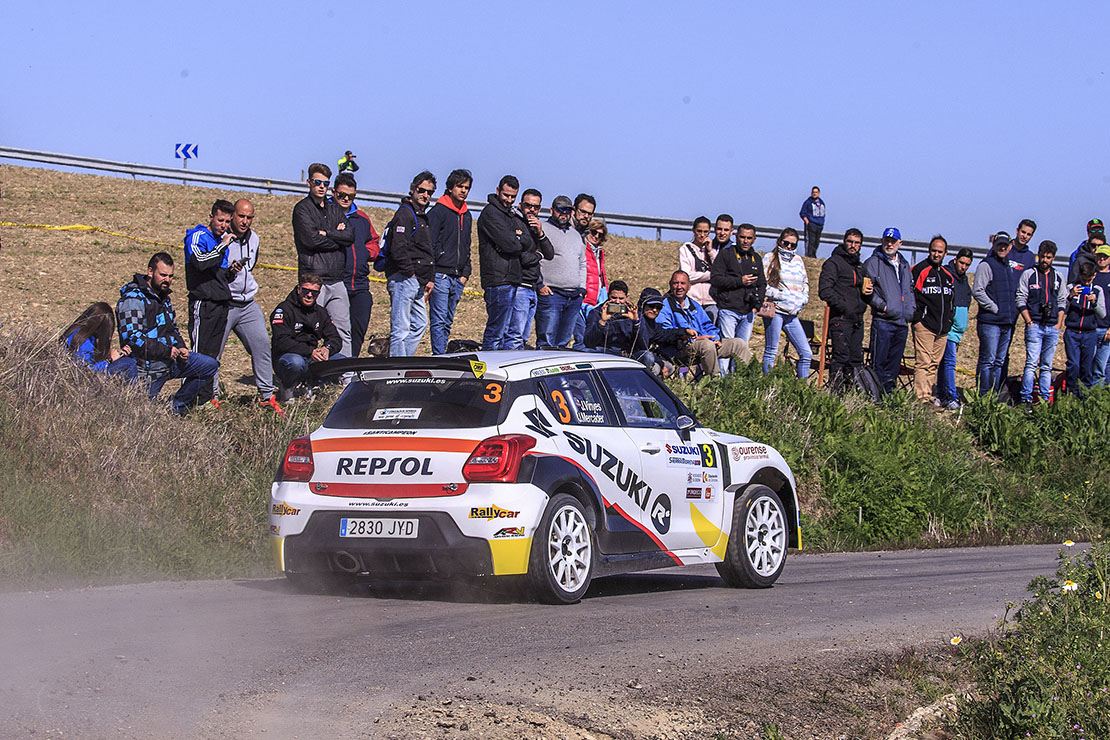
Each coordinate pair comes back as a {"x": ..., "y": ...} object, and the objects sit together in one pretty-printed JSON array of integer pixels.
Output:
[{"x": 248, "y": 182}]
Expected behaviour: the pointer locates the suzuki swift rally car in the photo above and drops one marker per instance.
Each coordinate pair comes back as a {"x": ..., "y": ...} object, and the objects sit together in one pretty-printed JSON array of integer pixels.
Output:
[{"x": 554, "y": 466}]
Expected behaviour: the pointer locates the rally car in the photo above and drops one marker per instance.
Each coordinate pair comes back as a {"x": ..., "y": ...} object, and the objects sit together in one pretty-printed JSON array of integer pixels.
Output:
[{"x": 554, "y": 467}]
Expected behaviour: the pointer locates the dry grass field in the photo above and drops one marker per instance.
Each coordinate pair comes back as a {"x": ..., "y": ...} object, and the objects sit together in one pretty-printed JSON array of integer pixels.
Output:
[{"x": 50, "y": 276}]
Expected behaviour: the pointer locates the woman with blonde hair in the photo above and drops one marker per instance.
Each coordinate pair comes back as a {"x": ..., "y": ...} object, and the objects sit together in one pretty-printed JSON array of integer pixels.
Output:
[
  {"x": 788, "y": 289},
  {"x": 597, "y": 282}
]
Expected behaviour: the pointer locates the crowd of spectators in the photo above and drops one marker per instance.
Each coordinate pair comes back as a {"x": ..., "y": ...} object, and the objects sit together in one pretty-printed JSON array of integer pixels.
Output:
[{"x": 551, "y": 274}]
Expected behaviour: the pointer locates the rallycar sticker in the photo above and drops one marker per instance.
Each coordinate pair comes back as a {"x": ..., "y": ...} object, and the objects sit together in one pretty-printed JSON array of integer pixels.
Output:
[
  {"x": 589, "y": 412},
  {"x": 489, "y": 513},
  {"x": 703, "y": 477},
  {"x": 661, "y": 513},
  {"x": 638, "y": 491},
  {"x": 379, "y": 504},
  {"x": 394, "y": 414},
  {"x": 395, "y": 442},
  {"x": 283, "y": 509}
]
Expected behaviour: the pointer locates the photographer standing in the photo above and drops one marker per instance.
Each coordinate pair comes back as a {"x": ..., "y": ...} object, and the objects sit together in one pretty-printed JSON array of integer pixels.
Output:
[{"x": 614, "y": 326}]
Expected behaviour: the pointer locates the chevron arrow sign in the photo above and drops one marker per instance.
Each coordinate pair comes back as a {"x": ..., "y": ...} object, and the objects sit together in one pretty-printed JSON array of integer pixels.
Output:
[{"x": 185, "y": 151}]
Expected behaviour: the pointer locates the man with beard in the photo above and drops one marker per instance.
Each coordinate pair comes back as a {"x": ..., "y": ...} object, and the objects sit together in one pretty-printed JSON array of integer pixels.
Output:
[
  {"x": 148, "y": 325},
  {"x": 564, "y": 278},
  {"x": 503, "y": 236},
  {"x": 933, "y": 316},
  {"x": 845, "y": 287},
  {"x": 961, "y": 301},
  {"x": 738, "y": 284},
  {"x": 1041, "y": 303}
]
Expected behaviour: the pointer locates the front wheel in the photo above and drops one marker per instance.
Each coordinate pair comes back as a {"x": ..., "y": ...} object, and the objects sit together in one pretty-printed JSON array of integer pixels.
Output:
[
  {"x": 756, "y": 551},
  {"x": 561, "y": 563}
]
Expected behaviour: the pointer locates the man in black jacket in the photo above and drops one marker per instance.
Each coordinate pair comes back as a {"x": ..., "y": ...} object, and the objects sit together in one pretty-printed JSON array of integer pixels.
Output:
[
  {"x": 845, "y": 287},
  {"x": 451, "y": 224},
  {"x": 933, "y": 287},
  {"x": 410, "y": 272},
  {"x": 298, "y": 326},
  {"x": 525, "y": 300},
  {"x": 737, "y": 284},
  {"x": 322, "y": 237},
  {"x": 503, "y": 235}
]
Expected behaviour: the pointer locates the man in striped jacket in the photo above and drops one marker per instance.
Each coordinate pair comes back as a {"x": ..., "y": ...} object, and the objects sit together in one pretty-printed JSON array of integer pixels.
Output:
[{"x": 207, "y": 274}]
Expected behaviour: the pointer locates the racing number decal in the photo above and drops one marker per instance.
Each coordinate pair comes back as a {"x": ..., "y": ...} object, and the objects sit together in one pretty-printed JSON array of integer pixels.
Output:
[
  {"x": 708, "y": 457},
  {"x": 493, "y": 394},
  {"x": 561, "y": 406}
]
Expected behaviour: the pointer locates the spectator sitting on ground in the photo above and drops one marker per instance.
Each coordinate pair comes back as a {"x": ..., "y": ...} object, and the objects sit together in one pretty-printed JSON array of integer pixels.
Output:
[
  {"x": 298, "y": 326},
  {"x": 148, "y": 325},
  {"x": 788, "y": 288},
  {"x": 664, "y": 345},
  {"x": 89, "y": 340},
  {"x": 614, "y": 326},
  {"x": 705, "y": 347}
]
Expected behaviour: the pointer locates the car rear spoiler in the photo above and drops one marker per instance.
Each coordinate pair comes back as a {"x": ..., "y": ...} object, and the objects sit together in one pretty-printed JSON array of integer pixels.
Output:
[{"x": 462, "y": 363}]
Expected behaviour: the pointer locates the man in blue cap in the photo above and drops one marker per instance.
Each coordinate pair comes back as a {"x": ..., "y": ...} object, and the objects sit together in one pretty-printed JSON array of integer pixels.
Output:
[{"x": 892, "y": 307}]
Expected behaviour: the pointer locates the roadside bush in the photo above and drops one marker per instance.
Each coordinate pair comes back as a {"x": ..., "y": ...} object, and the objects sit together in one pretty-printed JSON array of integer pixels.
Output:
[
  {"x": 102, "y": 484},
  {"x": 1045, "y": 675}
]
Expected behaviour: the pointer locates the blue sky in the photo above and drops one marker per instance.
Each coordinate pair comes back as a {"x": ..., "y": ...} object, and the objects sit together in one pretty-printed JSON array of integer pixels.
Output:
[{"x": 953, "y": 117}]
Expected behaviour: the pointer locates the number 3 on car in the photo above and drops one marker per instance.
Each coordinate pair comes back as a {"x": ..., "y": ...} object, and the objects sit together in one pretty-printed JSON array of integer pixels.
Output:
[{"x": 554, "y": 467}]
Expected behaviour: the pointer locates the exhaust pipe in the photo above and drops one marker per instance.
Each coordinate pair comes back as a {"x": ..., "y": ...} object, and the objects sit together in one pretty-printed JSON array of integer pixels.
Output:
[{"x": 346, "y": 562}]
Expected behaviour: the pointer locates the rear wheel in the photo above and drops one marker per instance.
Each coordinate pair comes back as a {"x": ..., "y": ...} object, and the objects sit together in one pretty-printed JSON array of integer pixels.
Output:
[
  {"x": 756, "y": 551},
  {"x": 561, "y": 563}
]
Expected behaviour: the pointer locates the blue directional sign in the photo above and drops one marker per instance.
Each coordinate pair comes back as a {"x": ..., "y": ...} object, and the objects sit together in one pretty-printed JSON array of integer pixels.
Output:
[{"x": 185, "y": 151}]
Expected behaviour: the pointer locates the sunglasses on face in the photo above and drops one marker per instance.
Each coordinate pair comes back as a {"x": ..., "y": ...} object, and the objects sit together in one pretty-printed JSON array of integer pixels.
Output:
[
  {"x": 425, "y": 191},
  {"x": 531, "y": 206},
  {"x": 309, "y": 292},
  {"x": 595, "y": 232},
  {"x": 344, "y": 196},
  {"x": 566, "y": 209},
  {"x": 318, "y": 182}
]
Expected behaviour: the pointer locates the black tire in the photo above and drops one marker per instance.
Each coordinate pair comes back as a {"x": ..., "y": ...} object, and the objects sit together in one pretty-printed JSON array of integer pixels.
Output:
[
  {"x": 320, "y": 582},
  {"x": 561, "y": 563},
  {"x": 756, "y": 551}
]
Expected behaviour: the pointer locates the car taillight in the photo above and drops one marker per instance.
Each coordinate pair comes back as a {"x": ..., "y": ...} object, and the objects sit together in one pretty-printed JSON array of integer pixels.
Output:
[
  {"x": 298, "y": 465},
  {"x": 497, "y": 459}
]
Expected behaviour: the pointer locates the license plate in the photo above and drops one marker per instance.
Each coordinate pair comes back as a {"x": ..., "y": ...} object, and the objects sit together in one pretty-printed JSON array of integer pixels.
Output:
[{"x": 405, "y": 528}]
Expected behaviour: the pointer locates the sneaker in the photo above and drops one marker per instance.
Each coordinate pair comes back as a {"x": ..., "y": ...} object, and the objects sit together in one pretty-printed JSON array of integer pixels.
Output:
[
  {"x": 952, "y": 406},
  {"x": 272, "y": 404},
  {"x": 283, "y": 394},
  {"x": 212, "y": 405}
]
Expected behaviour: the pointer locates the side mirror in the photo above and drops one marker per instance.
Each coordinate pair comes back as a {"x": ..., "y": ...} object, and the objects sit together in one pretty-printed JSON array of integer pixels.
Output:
[{"x": 684, "y": 424}]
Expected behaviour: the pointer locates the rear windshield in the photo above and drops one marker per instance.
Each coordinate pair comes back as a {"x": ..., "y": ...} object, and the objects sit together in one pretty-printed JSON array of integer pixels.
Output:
[{"x": 418, "y": 403}]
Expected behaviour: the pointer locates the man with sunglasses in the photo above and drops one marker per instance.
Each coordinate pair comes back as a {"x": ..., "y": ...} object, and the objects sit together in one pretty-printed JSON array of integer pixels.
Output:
[
  {"x": 524, "y": 304},
  {"x": 301, "y": 333},
  {"x": 564, "y": 278},
  {"x": 410, "y": 270},
  {"x": 322, "y": 237},
  {"x": 358, "y": 259},
  {"x": 585, "y": 205}
]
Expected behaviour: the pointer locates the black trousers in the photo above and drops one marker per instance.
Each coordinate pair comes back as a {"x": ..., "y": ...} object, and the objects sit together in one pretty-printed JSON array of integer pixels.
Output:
[
  {"x": 847, "y": 345},
  {"x": 207, "y": 322}
]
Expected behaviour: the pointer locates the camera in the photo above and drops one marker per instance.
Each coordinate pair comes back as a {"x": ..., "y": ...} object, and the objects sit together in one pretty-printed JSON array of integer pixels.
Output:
[{"x": 617, "y": 308}]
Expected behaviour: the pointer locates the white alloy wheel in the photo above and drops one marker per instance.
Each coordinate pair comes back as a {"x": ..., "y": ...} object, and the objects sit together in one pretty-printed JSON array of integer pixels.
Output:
[
  {"x": 756, "y": 551},
  {"x": 562, "y": 559}
]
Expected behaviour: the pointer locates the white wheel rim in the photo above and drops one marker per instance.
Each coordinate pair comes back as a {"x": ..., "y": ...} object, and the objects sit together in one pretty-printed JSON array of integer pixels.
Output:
[
  {"x": 765, "y": 536},
  {"x": 569, "y": 550}
]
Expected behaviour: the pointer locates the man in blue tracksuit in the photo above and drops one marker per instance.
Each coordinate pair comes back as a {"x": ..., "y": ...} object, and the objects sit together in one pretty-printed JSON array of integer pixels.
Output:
[
  {"x": 705, "y": 346},
  {"x": 207, "y": 274},
  {"x": 451, "y": 224},
  {"x": 813, "y": 216},
  {"x": 892, "y": 307},
  {"x": 996, "y": 293}
]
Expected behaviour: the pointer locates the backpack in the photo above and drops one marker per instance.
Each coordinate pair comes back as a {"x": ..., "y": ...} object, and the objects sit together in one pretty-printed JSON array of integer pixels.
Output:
[{"x": 382, "y": 259}]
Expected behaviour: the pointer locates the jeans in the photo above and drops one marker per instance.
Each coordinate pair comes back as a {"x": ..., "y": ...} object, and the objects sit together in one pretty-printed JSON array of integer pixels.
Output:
[
  {"x": 124, "y": 367},
  {"x": 520, "y": 325},
  {"x": 499, "y": 313},
  {"x": 735, "y": 324},
  {"x": 794, "y": 334},
  {"x": 555, "y": 317},
  {"x": 1080, "y": 347},
  {"x": 888, "y": 344},
  {"x": 1040, "y": 349},
  {"x": 292, "y": 368},
  {"x": 1102, "y": 356},
  {"x": 196, "y": 371},
  {"x": 994, "y": 346},
  {"x": 441, "y": 306},
  {"x": 946, "y": 375},
  {"x": 408, "y": 316},
  {"x": 813, "y": 238},
  {"x": 362, "y": 304}
]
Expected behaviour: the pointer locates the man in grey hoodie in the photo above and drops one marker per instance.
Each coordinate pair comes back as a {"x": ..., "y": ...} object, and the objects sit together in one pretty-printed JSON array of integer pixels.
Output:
[
  {"x": 892, "y": 307},
  {"x": 564, "y": 278}
]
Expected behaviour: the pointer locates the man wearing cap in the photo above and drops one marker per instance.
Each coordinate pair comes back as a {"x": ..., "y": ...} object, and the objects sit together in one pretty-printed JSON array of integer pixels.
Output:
[
  {"x": 347, "y": 162},
  {"x": 664, "y": 344},
  {"x": 1041, "y": 302},
  {"x": 892, "y": 306},
  {"x": 564, "y": 278},
  {"x": 933, "y": 288},
  {"x": 995, "y": 291},
  {"x": 1086, "y": 305},
  {"x": 1086, "y": 251}
]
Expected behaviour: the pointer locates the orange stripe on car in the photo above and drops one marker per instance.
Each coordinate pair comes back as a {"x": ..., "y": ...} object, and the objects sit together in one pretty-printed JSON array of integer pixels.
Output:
[{"x": 401, "y": 444}]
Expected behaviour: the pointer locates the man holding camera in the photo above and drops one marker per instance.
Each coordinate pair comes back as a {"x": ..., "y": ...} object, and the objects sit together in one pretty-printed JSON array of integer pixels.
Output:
[{"x": 614, "y": 326}]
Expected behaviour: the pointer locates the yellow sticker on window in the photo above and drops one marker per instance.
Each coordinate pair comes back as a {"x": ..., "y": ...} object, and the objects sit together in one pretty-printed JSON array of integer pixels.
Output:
[{"x": 478, "y": 368}]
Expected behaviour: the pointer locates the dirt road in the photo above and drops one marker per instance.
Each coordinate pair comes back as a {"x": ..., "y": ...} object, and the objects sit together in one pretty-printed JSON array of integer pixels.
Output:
[{"x": 664, "y": 654}]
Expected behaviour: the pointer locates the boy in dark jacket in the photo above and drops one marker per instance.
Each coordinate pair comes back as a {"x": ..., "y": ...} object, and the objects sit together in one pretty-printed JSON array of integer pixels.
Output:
[
  {"x": 451, "y": 224},
  {"x": 360, "y": 258},
  {"x": 933, "y": 287},
  {"x": 738, "y": 285},
  {"x": 410, "y": 267},
  {"x": 298, "y": 326},
  {"x": 1041, "y": 303},
  {"x": 845, "y": 287},
  {"x": 503, "y": 236},
  {"x": 1086, "y": 305},
  {"x": 614, "y": 326}
]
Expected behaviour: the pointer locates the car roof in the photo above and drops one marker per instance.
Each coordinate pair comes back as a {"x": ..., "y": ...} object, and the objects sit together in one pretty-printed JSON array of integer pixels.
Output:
[{"x": 508, "y": 364}]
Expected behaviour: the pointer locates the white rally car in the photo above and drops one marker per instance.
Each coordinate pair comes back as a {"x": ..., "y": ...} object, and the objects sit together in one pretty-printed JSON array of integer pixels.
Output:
[{"x": 556, "y": 466}]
